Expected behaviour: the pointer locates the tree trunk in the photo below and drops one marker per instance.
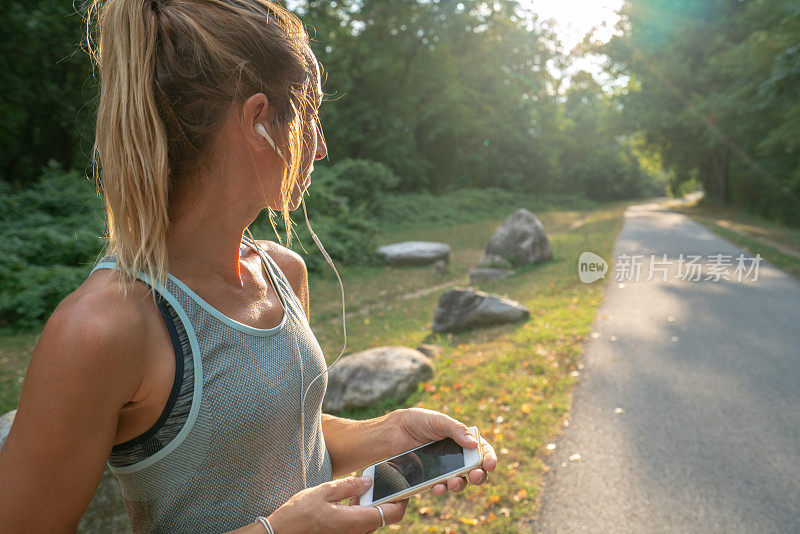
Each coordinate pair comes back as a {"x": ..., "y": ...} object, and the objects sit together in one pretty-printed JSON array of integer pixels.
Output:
[{"x": 715, "y": 174}]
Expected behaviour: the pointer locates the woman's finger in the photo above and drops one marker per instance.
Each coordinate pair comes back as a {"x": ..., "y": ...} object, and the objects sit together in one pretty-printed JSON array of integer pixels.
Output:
[
  {"x": 439, "y": 490},
  {"x": 456, "y": 484},
  {"x": 489, "y": 456},
  {"x": 477, "y": 476}
]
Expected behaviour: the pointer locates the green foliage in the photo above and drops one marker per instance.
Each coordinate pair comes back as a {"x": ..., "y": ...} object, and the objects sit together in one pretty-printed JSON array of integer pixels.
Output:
[
  {"x": 49, "y": 237},
  {"x": 357, "y": 182},
  {"x": 715, "y": 87},
  {"x": 47, "y": 100},
  {"x": 455, "y": 95},
  {"x": 684, "y": 187},
  {"x": 341, "y": 201},
  {"x": 424, "y": 210}
]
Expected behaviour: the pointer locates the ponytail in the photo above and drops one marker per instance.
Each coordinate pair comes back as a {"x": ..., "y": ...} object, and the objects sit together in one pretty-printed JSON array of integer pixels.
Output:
[{"x": 130, "y": 148}]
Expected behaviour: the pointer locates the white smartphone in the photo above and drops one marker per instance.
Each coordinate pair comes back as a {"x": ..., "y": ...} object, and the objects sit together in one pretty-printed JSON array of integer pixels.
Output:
[{"x": 401, "y": 476}]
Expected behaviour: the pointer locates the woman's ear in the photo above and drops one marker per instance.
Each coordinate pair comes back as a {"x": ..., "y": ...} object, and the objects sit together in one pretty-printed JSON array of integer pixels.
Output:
[{"x": 256, "y": 110}]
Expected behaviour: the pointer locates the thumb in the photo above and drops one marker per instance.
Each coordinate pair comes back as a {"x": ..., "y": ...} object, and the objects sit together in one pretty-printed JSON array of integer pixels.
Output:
[
  {"x": 449, "y": 427},
  {"x": 346, "y": 487}
]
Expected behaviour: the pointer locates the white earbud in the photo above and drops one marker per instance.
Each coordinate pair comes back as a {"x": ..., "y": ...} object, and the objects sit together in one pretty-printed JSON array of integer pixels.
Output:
[{"x": 262, "y": 131}]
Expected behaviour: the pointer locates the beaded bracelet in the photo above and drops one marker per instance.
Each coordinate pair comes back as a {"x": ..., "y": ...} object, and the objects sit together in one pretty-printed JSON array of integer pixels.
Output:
[{"x": 264, "y": 521}]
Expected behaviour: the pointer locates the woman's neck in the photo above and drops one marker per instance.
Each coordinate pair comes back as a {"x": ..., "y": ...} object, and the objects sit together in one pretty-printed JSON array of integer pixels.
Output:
[{"x": 204, "y": 238}]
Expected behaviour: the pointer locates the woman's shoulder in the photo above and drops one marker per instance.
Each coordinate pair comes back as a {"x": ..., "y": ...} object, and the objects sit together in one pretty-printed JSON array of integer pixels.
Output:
[
  {"x": 293, "y": 267},
  {"x": 101, "y": 325},
  {"x": 290, "y": 262}
]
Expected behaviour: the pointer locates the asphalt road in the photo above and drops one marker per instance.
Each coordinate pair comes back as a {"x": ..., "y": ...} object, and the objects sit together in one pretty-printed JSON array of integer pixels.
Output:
[{"x": 687, "y": 414}]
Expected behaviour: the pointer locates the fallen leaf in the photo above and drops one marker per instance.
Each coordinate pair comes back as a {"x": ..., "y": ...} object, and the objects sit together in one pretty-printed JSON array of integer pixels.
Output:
[
  {"x": 551, "y": 446},
  {"x": 525, "y": 408},
  {"x": 424, "y": 510},
  {"x": 469, "y": 520},
  {"x": 494, "y": 499},
  {"x": 575, "y": 457}
]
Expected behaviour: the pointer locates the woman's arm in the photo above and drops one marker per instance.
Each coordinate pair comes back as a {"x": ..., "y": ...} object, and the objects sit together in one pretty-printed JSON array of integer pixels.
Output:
[
  {"x": 353, "y": 445},
  {"x": 86, "y": 365}
]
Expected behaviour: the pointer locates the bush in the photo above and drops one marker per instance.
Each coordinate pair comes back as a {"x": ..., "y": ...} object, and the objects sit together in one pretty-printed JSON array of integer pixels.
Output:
[
  {"x": 50, "y": 235},
  {"x": 423, "y": 210}
]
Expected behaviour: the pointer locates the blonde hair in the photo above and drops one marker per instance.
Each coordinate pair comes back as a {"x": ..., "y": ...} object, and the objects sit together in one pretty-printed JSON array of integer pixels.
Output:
[{"x": 169, "y": 72}]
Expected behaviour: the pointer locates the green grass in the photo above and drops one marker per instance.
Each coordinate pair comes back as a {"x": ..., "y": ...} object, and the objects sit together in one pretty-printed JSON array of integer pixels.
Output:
[{"x": 522, "y": 373}]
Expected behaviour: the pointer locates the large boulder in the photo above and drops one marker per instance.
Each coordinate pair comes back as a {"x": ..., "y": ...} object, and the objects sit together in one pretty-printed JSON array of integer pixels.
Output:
[
  {"x": 414, "y": 252},
  {"x": 491, "y": 267},
  {"x": 373, "y": 375},
  {"x": 521, "y": 240},
  {"x": 105, "y": 513},
  {"x": 465, "y": 308}
]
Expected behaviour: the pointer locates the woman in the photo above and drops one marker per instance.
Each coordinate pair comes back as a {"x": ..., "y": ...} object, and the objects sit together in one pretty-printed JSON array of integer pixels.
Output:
[{"x": 181, "y": 359}]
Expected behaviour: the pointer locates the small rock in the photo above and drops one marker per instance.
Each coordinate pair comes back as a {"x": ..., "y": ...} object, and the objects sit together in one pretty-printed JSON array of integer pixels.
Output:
[
  {"x": 487, "y": 274},
  {"x": 440, "y": 267},
  {"x": 465, "y": 308},
  {"x": 376, "y": 374},
  {"x": 414, "y": 252},
  {"x": 429, "y": 350}
]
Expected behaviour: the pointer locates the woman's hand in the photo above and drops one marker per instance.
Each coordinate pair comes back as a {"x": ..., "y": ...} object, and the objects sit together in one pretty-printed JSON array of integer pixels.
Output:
[
  {"x": 318, "y": 510},
  {"x": 417, "y": 426}
]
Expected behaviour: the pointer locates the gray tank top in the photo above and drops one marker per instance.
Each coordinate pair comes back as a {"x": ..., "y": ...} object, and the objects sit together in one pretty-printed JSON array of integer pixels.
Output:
[{"x": 237, "y": 455}]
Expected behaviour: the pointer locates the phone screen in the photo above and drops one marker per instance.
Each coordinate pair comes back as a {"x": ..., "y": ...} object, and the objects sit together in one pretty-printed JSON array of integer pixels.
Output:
[{"x": 417, "y": 467}]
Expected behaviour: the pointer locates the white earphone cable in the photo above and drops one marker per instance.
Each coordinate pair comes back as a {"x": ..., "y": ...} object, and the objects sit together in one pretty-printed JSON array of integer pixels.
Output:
[{"x": 260, "y": 128}]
